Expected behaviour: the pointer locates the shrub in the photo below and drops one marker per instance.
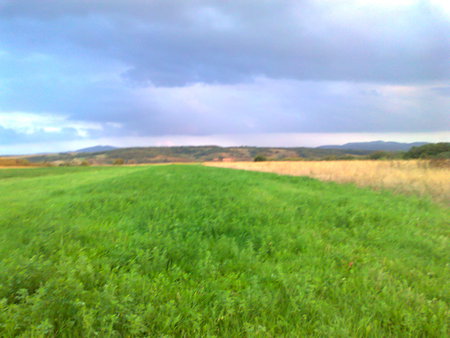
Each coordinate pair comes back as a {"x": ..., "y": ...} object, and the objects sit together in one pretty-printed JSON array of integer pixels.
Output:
[
  {"x": 378, "y": 155},
  {"x": 260, "y": 158}
]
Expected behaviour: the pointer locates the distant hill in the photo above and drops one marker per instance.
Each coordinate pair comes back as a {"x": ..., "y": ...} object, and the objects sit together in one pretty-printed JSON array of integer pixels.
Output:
[
  {"x": 192, "y": 154},
  {"x": 95, "y": 149},
  {"x": 375, "y": 145}
]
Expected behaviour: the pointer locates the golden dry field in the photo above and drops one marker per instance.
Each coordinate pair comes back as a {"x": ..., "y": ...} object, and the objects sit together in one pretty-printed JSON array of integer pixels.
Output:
[
  {"x": 422, "y": 177},
  {"x": 13, "y": 162}
]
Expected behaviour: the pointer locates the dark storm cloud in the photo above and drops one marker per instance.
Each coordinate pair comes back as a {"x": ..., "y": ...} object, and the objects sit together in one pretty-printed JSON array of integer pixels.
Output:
[
  {"x": 179, "y": 42},
  {"x": 142, "y": 68}
]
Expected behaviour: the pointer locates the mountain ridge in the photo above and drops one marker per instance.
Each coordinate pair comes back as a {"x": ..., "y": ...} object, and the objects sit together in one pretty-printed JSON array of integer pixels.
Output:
[
  {"x": 375, "y": 146},
  {"x": 94, "y": 149},
  {"x": 136, "y": 155}
]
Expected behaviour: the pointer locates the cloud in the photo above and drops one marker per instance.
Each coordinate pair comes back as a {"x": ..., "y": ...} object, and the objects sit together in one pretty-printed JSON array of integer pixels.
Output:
[
  {"x": 91, "y": 69},
  {"x": 28, "y": 123},
  {"x": 20, "y": 127},
  {"x": 182, "y": 42},
  {"x": 268, "y": 105},
  {"x": 260, "y": 106}
]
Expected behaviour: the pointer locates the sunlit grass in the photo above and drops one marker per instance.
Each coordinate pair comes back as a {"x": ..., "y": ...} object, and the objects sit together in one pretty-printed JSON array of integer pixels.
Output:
[{"x": 196, "y": 251}]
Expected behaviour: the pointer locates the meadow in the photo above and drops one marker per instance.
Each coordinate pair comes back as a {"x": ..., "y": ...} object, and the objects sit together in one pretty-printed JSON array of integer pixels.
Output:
[
  {"x": 418, "y": 177},
  {"x": 187, "y": 251}
]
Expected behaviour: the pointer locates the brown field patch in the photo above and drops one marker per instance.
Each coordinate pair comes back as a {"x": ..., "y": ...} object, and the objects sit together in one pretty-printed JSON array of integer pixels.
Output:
[
  {"x": 16, "y": 162},
  {"x": 422, "y": 177}
]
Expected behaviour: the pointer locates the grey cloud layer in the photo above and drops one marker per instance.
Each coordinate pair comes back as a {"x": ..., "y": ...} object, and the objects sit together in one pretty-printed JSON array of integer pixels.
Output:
[
  {"x": 178, "y": 42},
  {"x": 267, "y": 105},
  {"x": 206, "y": 67}
]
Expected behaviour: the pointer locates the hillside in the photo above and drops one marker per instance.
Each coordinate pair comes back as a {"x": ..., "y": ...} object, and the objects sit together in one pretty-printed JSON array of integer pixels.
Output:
[
  {"x": 194, "y": 154},
  {"x": 95, "y": 149},
  {"x": 375, "y": 146}
]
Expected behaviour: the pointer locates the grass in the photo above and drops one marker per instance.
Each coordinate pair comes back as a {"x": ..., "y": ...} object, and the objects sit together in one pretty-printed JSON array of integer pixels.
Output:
[
  {"x": 419, "y": 177},
  {"x": 197, "y": 251}
]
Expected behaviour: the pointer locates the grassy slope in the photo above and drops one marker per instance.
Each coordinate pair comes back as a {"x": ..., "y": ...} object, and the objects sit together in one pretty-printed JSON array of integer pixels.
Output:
[{"x": 186, "y": 250}]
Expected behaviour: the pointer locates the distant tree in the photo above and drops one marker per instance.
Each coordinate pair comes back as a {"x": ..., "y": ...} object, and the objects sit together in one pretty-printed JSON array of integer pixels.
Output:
[
  {"x": 118, "y": 161},
  {"x": 377, "y": 155},
  {"x": 432, "y": 150},
  {"x": 260, "y": 158},
  {"x": 84, "y": 163}
]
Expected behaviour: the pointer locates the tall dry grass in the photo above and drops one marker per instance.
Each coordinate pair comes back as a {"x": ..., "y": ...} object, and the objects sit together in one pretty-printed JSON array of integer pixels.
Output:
[{"x": 421, "y": 177}]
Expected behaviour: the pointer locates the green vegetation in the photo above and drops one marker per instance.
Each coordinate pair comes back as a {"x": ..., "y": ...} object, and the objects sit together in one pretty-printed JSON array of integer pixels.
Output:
[
  {"x": 432, "y": 151},
  {"x": 384, "y": 155},
  {"x": 260, "y": 158},
  {"x": 192, "y": 250},
  {"x": 118, "y": 161}
]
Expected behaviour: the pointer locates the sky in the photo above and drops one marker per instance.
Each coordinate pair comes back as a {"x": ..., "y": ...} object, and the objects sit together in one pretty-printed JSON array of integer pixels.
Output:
[{"x": 78, "y": 73}]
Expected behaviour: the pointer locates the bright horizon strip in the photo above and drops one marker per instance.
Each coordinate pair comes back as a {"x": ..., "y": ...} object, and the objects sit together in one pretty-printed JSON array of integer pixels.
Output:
[{"x": 228, "y": 140}]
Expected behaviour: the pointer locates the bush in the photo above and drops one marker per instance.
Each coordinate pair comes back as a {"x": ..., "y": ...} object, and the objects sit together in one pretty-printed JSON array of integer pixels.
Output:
[
  {"x": 260, "y": 158},
  {"x": 118, "y": 161},
  {"x": 378, "y": 155}
]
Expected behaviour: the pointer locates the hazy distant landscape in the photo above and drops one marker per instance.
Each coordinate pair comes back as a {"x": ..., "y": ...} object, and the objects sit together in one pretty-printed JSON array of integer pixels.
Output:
[
  {"x": 376, "y": 146},
  {"x": 191, "y": 154},
  {"x": 100, "y": 155}
]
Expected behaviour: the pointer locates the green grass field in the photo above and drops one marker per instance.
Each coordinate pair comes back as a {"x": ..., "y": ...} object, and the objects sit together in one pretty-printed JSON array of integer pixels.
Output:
[{"x": 191, "y": 250}]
